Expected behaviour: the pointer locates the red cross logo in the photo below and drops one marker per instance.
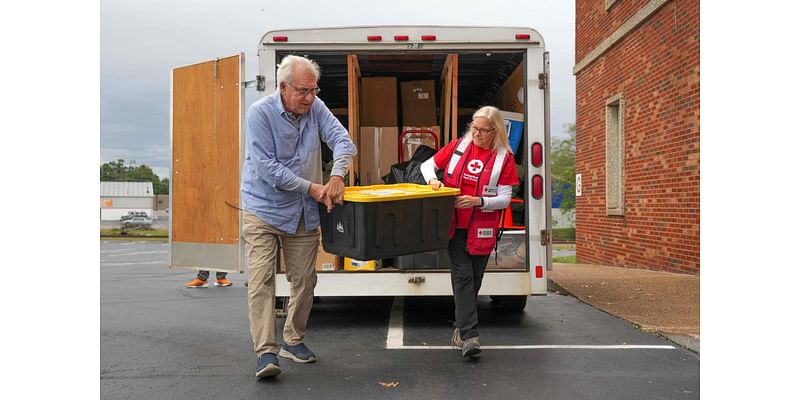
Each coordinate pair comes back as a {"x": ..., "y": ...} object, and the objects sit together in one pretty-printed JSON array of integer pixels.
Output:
[{"x": 475, "y": 166}]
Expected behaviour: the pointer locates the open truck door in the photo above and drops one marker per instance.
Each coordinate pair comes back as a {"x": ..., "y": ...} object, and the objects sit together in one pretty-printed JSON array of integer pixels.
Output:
[{"x": 207, "y": 145}]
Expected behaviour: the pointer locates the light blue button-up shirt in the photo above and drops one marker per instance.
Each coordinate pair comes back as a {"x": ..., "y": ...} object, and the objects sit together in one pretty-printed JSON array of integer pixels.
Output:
[{"x": 283, "y": 158}]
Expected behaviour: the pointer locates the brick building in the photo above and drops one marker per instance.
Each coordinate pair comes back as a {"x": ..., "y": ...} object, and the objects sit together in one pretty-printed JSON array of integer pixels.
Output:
[{"x": 638, "y": 133}]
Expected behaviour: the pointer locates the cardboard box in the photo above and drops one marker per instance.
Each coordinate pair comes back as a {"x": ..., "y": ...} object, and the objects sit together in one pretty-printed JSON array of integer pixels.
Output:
[
  {"x": 411, "y": 141},
  {"x": 326, "y": 262},
  {"x": 377, "y": 152},
  {"x": 419, "y": 103},
  {"x": 379, "y": 101}
]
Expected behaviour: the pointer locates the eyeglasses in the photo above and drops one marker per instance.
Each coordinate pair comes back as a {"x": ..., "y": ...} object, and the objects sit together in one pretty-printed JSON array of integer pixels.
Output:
[
  {"x": 305, "y": 91},
  {"x": 483, "y": 131}
]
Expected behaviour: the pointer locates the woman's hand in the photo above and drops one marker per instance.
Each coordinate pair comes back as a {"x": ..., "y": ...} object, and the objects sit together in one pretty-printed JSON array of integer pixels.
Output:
[
  {"x": 467, "y": 201},
  {"x": 435, "y": 184}
]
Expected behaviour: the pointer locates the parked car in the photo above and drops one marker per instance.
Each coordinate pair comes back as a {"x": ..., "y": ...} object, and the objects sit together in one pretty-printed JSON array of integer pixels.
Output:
[
  {"x": 132, "y": 214},
  {"x": 138, "y": 221}
]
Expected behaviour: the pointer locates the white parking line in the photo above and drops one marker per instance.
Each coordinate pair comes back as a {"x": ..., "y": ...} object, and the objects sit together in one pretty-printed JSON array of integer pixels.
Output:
[
  {"x": 547, "y": 346},
  {"x": 116, "y": 264},
  {"x": 394, "y": 338},
  {"x": 138, "y": 253}
]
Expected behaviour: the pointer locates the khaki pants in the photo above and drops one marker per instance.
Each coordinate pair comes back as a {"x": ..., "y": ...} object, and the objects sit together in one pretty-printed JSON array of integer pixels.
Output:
[{"x": 300, "y": 258}]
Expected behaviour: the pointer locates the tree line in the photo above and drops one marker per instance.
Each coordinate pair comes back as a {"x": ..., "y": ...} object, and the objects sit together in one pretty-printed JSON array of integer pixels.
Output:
[
  {"x": 562, "y": 158},
  {"x": 562, "y": 172},
  {"x": 117, "y": 171}
]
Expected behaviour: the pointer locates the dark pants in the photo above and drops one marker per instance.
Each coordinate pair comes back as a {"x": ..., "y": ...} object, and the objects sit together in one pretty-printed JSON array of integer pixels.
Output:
[
  {"x": 203, "y": 275},
  {"x": 466, "y": 275}
]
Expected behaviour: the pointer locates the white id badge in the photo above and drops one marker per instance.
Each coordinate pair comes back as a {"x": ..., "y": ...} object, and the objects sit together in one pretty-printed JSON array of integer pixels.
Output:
[
  {"x": 485, "y": 233},
  {"x": 489, "y": 191}
]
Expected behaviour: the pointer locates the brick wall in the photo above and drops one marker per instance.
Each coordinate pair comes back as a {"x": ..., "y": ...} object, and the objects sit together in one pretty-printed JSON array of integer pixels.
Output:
[{"x": 656, "y": 68}]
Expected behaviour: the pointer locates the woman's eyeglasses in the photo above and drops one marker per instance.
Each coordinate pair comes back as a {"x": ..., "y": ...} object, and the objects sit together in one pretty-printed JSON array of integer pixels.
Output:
[{"x": 482, "y": 131}]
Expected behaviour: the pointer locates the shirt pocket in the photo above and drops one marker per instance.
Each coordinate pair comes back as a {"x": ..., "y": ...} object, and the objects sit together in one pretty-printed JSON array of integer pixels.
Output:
[
  {"x": 311, "y": 139},
  {"x": 286, "y": 144}
]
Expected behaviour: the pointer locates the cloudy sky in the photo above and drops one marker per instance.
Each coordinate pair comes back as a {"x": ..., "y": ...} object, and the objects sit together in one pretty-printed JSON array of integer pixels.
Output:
[{"x": 141, "y": 41}]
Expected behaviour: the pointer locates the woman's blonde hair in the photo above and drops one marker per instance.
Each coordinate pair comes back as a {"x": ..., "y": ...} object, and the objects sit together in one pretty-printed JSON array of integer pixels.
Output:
[{"x": 500, "y": 140}]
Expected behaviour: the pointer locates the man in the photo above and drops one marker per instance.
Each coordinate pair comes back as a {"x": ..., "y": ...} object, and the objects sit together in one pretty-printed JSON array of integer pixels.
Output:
[
  {"x": 201, "y": 281},
  {"x": 281, "y": 185}
]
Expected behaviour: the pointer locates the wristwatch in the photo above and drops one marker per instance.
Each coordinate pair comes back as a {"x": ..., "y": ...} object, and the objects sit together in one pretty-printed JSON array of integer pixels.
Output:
[{"x": 481, "y": 205}]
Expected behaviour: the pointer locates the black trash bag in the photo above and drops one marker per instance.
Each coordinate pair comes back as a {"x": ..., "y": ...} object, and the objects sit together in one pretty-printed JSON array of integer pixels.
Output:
[
  {"x": 409, "y": 171},
  {"x": 397, "y": 174},
  {"x": 413, "y": 173},
  {"x": 423, "y": 153}
]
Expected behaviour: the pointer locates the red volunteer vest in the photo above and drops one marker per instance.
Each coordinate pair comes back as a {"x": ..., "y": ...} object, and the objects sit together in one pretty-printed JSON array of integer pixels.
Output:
[{"x": 482, "y": 227}]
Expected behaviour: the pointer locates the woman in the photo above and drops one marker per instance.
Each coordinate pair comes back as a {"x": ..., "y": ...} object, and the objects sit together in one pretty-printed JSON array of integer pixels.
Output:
[{"x": 481, "y": 164}]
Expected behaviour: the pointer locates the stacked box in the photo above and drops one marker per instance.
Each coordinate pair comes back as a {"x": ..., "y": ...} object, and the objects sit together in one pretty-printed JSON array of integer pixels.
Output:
[
  {"x": 379, "y": 101},
  {"x": 378, "y": 152},
  {"x": 418, "y": 99}
]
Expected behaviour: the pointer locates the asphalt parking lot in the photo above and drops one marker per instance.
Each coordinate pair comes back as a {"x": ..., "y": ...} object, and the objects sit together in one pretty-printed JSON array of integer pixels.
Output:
[{"x": 160, "y": 340}]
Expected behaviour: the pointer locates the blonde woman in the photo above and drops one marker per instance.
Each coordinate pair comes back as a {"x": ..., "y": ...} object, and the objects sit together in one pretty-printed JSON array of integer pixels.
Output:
[{"x": 481, "y": 164}]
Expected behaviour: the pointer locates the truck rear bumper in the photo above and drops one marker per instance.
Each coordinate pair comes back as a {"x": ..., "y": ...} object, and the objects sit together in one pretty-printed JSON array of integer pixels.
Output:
[{"x": 415, "y": 284}]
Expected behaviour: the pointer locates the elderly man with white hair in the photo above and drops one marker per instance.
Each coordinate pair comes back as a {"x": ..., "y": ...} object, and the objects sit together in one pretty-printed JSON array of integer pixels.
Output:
[{"x": 281, "y": 186}]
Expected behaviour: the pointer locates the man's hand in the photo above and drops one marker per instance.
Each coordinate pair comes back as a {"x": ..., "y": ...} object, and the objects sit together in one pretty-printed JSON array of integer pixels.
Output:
[
  {"x": 317, "y": 192},
  {"x": 435, "y": 184},
  {"x": 334, "y": 191}
]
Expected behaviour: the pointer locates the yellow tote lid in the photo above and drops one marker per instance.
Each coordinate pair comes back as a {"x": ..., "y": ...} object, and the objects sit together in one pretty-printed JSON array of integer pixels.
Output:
[{"x": 399, "y": 191}]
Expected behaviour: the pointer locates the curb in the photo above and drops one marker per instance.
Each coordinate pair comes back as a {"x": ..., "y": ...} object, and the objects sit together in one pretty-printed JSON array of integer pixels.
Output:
[{"x": 686, "y": 342}]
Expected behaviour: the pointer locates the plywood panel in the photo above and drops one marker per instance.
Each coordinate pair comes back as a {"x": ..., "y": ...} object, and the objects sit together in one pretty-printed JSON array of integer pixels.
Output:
[
  {"x": 509, "y": 96},
  {"x": 354, "y": 114},
  {"x": 447, "y": 85},
  {"x": 450, "y": 99},
  {"x": 454, "y": 98},
  {"x": 206, "y": 103}
]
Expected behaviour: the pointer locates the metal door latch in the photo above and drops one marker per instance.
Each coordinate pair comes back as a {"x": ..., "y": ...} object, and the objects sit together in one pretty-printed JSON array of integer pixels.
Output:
[
  {"x": 416, "y": 279},
  {"x": 260, "y": 83}
]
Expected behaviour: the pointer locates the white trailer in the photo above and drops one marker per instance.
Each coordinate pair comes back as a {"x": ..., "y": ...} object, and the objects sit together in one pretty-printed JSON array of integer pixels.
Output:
[{"x": 472, "y": 67}]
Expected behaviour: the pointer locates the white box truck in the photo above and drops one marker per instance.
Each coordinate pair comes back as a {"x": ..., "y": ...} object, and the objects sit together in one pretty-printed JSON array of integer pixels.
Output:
[{"x": 469, "y": 67}]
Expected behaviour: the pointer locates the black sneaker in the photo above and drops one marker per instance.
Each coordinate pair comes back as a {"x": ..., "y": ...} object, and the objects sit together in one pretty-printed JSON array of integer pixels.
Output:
[
  {"x": 267, "y": 366},
  {"x": 471, "y": 347},
  {"x": 298, "y": 353}
]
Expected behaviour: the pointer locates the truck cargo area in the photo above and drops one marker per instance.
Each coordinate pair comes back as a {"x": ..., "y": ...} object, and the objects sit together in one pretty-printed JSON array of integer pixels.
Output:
[{"x": 462, "y": 82}]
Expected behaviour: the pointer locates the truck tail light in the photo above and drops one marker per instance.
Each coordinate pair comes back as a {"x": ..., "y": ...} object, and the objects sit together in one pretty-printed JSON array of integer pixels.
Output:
[
  {"x": 374, "y": 38},
  {"x": 539, "y": 271},
  {"x": 428, "y": 37},
  {"x": 280, "y": 38},
  {"x": 401, "y": 38},
  {"x": 536, "y": 155},
  {"x": 537, "y": 187},
  {"x": 522, "y": 36}
]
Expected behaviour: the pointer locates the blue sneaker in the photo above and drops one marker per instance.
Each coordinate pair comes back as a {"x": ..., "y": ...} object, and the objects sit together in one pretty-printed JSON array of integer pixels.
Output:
[
  {"x": 298, "y": 353},
  {"x": 267, "y": 366}
]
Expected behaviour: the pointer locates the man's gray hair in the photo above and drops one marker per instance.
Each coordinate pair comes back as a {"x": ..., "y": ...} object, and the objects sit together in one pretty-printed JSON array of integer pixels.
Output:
[{"x": 287, "y": 67}]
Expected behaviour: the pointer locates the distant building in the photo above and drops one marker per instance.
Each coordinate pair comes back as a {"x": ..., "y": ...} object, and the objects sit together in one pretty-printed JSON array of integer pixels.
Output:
[
  {"x": 161, "y": 202},
  {"x": 119, "y": 198},
  {"x": 637, "y": 147}
]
